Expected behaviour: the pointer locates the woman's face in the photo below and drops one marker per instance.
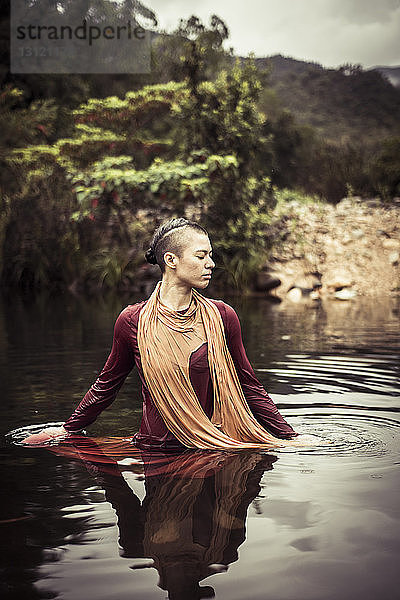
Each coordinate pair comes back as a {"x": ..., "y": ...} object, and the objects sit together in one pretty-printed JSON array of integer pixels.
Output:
[{"x": 195, "y": 265}]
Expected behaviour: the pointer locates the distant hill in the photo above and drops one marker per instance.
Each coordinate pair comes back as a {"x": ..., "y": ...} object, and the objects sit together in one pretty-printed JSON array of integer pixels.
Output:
[{"x": 343, "y": 104}]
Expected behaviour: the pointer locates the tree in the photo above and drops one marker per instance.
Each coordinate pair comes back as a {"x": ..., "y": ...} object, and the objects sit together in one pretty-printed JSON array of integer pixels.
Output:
[{"x": 192, "y": 45}]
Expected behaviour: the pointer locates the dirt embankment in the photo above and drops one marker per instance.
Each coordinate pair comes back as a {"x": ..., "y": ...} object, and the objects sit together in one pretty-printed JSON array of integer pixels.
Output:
[{"x": 351, "y": 249}]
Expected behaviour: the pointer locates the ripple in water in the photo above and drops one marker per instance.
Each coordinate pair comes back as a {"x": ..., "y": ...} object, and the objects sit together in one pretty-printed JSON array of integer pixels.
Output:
[
  {"x": 350, "y": 435},
  {"x": 16, "y": 436},
  {"x": 347, "y": 434},
  {"x": 337, "y": 373}
]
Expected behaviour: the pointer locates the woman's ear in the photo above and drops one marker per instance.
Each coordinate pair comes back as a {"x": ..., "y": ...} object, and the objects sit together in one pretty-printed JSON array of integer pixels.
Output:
[{"x": 170, "y": 260}]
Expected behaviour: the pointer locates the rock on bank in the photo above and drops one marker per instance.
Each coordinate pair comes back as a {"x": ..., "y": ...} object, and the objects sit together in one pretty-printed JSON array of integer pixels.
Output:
[{"x": 342, "y": 251}]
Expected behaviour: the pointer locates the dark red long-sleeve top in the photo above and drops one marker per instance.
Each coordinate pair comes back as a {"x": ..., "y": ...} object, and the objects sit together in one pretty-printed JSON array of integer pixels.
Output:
[{"x": 153, "y": 433}]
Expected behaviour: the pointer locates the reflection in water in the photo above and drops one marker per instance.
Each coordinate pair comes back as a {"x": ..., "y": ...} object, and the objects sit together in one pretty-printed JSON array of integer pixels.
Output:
[{"x": 192, "y": 519}]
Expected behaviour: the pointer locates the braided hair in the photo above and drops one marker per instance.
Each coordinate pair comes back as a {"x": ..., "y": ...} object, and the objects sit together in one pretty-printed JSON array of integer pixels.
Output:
[{"x": 169, "y": 237}]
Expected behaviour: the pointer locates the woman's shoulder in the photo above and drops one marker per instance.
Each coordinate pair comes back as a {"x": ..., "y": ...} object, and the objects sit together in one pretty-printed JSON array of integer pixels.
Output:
[
  {"x": 230, "y": 318},
  {"x": 227, "y": 311},
  {"x": 130, "y": 314}
]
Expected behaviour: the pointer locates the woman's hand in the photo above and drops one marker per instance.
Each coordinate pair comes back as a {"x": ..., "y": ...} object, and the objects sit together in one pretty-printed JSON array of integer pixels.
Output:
[
  {"x": 45, "y": 436},
  {"x": 54, "y": 432},
  {"x": 308, "y": 439}
]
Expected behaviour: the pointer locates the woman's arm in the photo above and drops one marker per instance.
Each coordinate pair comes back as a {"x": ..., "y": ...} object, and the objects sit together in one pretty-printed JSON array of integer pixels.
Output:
[
  {"x": 257, "y": 398},
  {"x": 104, "y": 390}
]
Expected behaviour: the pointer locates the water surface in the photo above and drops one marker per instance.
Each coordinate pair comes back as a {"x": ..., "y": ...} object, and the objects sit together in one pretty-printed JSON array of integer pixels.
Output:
[{"x": 97, "y": 519}]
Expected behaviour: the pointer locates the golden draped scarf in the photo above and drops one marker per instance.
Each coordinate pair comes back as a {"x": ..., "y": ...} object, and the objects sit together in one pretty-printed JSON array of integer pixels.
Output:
[{"x": 166, "y": 339}]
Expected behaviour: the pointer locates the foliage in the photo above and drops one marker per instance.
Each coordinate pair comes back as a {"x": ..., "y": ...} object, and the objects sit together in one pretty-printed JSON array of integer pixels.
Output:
[
  {"x": 170, "y": 182},
  {"x": 20, "y": 125},
  {"x": 223, "y": 116},
  {"x": 300, "y": 159},
  {"x": 119, "y": 164},
  {"x": 41, "y": 249},
  {"x": 242, "y": 248},
  {"x": 328, "y": 170},
  {"x": 386, "y": 169},
  {"x": 290, "y": 148}
]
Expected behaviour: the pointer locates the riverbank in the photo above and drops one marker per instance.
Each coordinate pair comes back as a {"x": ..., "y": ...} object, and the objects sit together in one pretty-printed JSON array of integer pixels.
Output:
[{"x": 351, "y": 249}]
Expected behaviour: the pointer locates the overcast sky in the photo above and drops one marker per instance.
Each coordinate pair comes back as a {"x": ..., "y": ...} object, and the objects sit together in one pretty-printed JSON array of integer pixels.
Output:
[{"x": 331, "y": 32}]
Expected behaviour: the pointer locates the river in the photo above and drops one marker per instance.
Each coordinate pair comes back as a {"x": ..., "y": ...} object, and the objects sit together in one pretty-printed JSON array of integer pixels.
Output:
[{"x": 95, "y": 519}]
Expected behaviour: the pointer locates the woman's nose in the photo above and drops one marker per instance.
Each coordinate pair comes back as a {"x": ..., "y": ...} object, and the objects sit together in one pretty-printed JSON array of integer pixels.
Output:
[{"x": 210, "y": 263}]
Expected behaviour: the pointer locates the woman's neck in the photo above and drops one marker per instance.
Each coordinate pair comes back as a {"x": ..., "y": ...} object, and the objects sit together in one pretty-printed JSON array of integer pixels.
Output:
[{"x": 175, "y": 296}]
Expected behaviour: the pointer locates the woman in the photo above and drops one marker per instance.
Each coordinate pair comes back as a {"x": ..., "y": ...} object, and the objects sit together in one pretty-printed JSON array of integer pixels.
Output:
[{"x": 199, "y": 389}]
